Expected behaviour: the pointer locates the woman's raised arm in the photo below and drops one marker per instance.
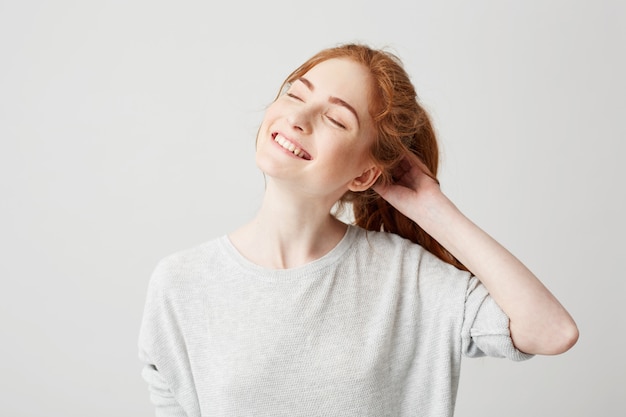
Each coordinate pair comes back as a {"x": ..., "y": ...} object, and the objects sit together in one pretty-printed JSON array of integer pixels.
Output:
[{"x": 539, "y": 324}]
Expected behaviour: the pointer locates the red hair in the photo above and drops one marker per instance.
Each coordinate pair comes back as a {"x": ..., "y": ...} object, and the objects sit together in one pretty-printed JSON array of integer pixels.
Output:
[{"x": 402, "y": 126}]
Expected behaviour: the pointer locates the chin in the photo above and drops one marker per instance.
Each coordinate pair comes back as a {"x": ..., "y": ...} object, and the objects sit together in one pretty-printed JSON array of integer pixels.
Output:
[{"x": 268, "y": 165}]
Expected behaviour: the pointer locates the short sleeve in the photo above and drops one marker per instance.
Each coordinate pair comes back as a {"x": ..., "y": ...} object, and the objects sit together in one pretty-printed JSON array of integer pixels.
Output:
[{"x": 485, "y": 329}]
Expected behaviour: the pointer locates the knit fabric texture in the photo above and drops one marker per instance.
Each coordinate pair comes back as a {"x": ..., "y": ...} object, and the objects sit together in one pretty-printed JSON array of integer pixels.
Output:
[{"x": 376, "y": 327}]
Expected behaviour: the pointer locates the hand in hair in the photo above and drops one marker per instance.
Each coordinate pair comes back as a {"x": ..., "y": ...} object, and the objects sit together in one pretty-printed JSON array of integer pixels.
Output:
[
  {"x": 413, "y": 184},
  {"x": 538, "y": 322}
]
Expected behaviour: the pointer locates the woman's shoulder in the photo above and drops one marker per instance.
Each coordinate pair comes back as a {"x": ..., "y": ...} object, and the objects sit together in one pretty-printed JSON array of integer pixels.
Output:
[
  {"x": 389, "y": 247},
  {"x": 385, "y": 242},
  {"x": 187, "y": 264}
]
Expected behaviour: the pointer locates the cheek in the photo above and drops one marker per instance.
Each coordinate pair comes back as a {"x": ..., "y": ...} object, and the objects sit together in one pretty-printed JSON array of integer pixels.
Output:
[
  {"x": 268, "y": 118},
  {"x": 355, "y": 153},
  {"x": 345, "y": 160},
  {"x": 273, "y": 110}
]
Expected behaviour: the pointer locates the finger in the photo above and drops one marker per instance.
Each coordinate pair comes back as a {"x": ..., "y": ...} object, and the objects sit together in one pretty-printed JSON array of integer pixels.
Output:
[
  {"x": 418, "y": 164},
  {"x": 396, "y": 195}
]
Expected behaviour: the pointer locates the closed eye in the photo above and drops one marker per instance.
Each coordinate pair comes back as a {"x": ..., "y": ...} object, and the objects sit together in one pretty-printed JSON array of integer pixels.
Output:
[
  {"x": 336, "y": 123},
  {"x": 295, "y": 97}
]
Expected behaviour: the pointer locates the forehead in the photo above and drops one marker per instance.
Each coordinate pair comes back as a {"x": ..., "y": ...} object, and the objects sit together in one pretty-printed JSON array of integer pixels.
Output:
[{"x": 344, "y": 79}]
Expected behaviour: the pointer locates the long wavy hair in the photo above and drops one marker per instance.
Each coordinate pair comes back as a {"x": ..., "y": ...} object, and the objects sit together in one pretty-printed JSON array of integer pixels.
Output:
[{"x": 402, "y": 126}]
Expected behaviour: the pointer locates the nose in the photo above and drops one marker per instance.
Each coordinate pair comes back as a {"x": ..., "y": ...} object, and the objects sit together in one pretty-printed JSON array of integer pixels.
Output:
[{"x": 300, "y": 118}]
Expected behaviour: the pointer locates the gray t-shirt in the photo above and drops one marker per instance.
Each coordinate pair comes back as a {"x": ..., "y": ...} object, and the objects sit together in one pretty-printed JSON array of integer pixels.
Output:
[{"x": 376, "y": 327}]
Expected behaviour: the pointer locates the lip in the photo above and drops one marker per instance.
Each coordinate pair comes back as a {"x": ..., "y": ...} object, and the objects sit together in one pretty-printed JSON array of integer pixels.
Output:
[{"x": 306, "y": 156}]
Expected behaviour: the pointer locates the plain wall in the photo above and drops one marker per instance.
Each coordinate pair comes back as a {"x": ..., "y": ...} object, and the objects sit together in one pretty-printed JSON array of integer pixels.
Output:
[{"x": 127, "y": 132}]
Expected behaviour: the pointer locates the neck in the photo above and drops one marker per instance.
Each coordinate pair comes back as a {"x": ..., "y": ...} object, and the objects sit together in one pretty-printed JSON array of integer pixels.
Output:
[{"x": 289, "y": 230}]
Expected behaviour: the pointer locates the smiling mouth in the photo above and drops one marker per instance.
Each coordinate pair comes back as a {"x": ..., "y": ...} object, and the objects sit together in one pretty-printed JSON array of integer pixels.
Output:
[{"x": 291, "y": 147}]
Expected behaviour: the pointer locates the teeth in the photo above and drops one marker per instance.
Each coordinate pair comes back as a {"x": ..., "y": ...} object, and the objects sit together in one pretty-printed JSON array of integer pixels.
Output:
[{"x": 289, "y": 146}]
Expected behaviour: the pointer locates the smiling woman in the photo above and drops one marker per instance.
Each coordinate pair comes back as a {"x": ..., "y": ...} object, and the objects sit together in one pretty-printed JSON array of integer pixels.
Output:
[
  {"x": 297, "y": 313},
  {"x": 324, "y": 117}
]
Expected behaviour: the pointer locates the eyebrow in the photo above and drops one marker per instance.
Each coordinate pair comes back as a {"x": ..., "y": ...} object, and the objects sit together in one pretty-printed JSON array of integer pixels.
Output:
[{"x": 332, "y": 99}]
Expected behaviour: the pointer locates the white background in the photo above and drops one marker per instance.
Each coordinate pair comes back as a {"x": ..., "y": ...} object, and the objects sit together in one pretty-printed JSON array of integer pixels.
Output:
[{"x": 127, "y": 132}]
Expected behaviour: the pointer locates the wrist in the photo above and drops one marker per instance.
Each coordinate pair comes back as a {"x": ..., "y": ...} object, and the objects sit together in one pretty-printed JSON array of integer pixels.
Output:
[{"x": 438, "y": 216}]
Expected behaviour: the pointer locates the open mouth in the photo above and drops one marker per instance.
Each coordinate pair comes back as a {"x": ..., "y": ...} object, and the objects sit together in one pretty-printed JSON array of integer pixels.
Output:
[{"x": 290, "y": 146}]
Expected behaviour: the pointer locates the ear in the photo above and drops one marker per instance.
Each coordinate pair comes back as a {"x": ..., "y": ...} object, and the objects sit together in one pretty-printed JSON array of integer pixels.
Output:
[{"x": 365, "y": 180}]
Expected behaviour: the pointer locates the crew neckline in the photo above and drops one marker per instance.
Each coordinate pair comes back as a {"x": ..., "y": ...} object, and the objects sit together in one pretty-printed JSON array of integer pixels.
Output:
[{"x": 306, "y": 270}]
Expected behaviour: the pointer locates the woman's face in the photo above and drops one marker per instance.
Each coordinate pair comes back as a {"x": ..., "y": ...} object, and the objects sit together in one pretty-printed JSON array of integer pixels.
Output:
[{"x": 317, "y": 135}]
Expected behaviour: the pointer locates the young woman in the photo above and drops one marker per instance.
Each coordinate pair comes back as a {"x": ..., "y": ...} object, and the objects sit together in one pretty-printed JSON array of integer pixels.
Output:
[{"x": 299, "y": 314}]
